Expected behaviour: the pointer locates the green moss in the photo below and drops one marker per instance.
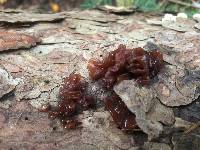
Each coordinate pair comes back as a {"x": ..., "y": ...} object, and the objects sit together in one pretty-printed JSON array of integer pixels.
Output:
[
  {"x": 125, "y": 3},
  {"x": 145, "y": 5},
  {"x": 94, "y": 3}
]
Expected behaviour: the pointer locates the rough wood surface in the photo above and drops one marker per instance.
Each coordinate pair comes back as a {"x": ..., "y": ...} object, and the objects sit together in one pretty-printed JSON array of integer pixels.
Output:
[{"x": 30, "y": 78}]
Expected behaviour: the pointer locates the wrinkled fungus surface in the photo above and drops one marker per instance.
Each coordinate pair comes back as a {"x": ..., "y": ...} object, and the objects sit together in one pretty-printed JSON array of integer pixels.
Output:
[
  {"x": 120, "y": 64},
  {"x": 73, "y": 100},
  {"x": 125, "y": 64},
  {"x": 121, "y": 115}
]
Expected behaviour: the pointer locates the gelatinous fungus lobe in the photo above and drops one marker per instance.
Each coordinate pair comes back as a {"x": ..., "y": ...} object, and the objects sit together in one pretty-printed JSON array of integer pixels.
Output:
[
  {"x": 144, "y": 65},
  {"x": 121, "y": 115},
  {"x": 120, "y": 64},
  {"x": 124, "y": 63},
  {"x": 73, "y": 100},
  {"x": 110, "y": 68}
]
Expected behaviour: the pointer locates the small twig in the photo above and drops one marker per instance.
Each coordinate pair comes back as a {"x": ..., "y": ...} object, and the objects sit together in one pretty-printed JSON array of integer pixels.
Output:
[
  {"x": 183, "y": 3},
  {"x": 193, "y": 127}
]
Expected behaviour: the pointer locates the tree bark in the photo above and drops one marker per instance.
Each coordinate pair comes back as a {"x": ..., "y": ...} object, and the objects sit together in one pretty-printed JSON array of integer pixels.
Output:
[{"x": 65, "y": 42}]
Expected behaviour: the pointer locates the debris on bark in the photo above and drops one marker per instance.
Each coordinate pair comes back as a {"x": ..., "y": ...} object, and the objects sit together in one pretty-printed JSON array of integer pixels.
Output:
[
  {"x": 181, "y": 90},
  {"x": 156, "y": 146},
  {"x": 7, "y": 83},
  {"x": 183, "y": 71},
  {"x": 142, "y": 101},
  {"x": 14, "y": 40},
  {"x": 189, "y": 112},
  {"x": 26, "y": 17},
  {"x": 117, "y": 10},
  {"x": 197, "y": 25},
  {"x": 185, "y": 142},
  {"x": 180, "y": 24},
  {"x": 180, "y": 123},
  {"x": 196, "y": 17}
]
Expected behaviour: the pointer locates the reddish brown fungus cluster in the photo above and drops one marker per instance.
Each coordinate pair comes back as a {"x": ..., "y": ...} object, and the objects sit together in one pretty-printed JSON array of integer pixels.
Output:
[
  {"x": 124, "y": 63},
  {"x": 73, "y": 100},
  {"x": 121, "y": 115},
  {"x": 120, "y": 64}
]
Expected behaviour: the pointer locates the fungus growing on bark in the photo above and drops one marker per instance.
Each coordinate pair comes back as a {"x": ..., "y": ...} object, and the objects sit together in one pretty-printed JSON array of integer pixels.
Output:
[
  {"x": 121, "y": 115},
  {"x": 123, "y": 63},
  {"x": 120, "y": 64},
  {"x": 73, "y": 100}
]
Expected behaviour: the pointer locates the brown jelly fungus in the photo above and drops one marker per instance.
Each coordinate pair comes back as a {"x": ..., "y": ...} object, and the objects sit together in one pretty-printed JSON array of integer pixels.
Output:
[
  {"x": 120, "y": 64},
  {"x": 123, "y": 63},
  {"x": 73, "y": 100},
  {"x": 121, "y": 115}
]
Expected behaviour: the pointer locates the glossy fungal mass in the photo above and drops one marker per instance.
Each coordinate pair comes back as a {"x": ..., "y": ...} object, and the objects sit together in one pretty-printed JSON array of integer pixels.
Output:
[
  {"x": 73, "y": 100},
  {"x": 123, "y": 63},
  {"x": 120, "y": 64}
]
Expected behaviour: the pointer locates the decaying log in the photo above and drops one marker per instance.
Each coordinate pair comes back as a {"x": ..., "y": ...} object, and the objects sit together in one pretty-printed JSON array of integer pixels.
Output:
[{"x": 30, "y": 79}]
